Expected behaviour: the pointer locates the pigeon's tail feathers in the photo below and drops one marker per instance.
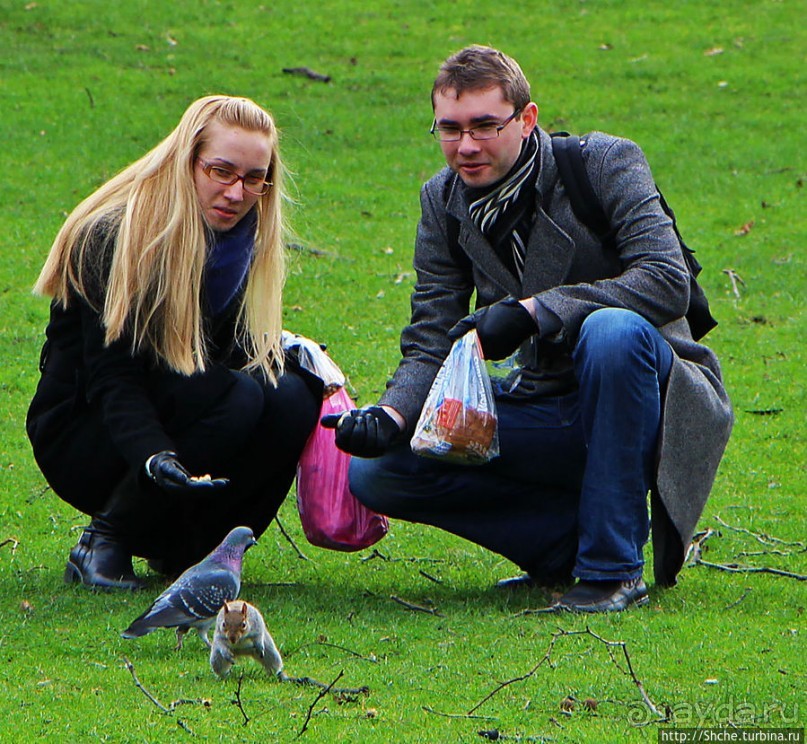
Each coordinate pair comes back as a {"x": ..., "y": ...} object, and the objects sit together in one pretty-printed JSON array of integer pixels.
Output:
[{"x": 138, "y": 628}]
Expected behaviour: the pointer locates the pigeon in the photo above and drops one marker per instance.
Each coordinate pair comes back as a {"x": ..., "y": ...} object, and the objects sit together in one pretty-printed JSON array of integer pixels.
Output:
[{"x": 194, "y": 599}]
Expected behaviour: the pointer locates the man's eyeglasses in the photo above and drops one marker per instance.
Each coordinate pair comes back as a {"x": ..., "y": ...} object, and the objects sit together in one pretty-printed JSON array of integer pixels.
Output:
[
  {"x": 480, "y": 132},
  {"x": 256, "y": 185}
]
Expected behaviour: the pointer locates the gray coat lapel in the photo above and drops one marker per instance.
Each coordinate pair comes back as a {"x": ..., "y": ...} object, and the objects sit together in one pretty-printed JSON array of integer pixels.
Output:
[
  {"x": 474, "y": 243},
  {"x": 549, "y": 256},
  {"x": 550, "y": 250}
]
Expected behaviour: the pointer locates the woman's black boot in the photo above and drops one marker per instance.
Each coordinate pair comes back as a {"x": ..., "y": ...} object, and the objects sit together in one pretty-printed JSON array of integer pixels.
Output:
[{"x": 100, "y": 559}]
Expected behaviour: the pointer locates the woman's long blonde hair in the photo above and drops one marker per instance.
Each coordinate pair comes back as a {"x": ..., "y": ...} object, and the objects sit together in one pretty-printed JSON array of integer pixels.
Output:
[{"x": 154, "y": 288}]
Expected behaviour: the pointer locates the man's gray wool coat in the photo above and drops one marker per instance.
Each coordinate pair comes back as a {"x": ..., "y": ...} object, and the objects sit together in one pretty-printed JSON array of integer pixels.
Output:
[{"x": 571, "y": 275}]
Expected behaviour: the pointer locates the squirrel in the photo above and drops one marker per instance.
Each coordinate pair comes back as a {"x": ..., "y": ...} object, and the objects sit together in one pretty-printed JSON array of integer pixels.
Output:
[{"x": 241, "y": 631}]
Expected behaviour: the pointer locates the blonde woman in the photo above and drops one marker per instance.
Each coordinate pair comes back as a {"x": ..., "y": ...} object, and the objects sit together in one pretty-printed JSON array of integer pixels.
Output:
[{"x": 166, "y": 409}]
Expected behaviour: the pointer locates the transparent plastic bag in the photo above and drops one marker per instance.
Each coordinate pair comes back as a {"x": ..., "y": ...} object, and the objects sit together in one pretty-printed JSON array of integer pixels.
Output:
[
  {"x": 331, "y": 516},
  {"x": 315, "y": 359},
  {"x": 458, "y": 422}
]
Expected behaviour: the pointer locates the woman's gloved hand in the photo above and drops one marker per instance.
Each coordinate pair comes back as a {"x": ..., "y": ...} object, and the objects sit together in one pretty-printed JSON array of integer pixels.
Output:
[{"x": 169, "y": 474}]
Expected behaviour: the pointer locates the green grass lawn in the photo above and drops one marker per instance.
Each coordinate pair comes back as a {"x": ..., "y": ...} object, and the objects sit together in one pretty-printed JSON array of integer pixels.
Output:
[{"x": 714, "y": 92}]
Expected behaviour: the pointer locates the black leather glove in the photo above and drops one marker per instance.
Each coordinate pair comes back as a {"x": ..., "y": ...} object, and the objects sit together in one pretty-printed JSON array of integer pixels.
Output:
[
  {"x": 501, "y": 327},
  {"x": 364, "y": 432},
  {"x": 169, "y": 474}
]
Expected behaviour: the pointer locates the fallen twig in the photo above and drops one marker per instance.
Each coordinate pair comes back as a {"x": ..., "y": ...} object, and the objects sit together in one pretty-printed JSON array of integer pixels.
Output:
[
  {"x": 737, "y": 601},
  {"x": 416, "y": 608},
  {"x": 735, "y": 280},
  {"x": 429, "y": 577},
  {"x": 307, "y": 72},
  {"x": 10, "y": 541},
  {"x": 285, "y": 534},
  {"x": 311, "y": 682},
  {"x": 238, "y": 703},
  {"x": 696, "y": 546},
  {"x": 496, "y": 735},
  {"x": 755, "y": 553},
  {"x": 375, "y": 553},
  {"x": 319, "y": 697},
  {"x": 308, "y": 249},
  {"x": 38, "y": 495},
  {"x": 760, "y": 536},
  {"x": 167, "y": 710},
  {"x": 431, "y": 710},
  {"x": 611, "y": 645},
  {"x": 737, "y": 568},
  {"x": 142, "y": 689},
  {"x": 332, "y": 645},
  {"x": 509, "y": 682}
]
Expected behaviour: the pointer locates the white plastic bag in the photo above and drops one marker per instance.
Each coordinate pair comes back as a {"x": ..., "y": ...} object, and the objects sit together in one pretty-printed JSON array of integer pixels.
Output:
[{"x": 314, "y": 358}]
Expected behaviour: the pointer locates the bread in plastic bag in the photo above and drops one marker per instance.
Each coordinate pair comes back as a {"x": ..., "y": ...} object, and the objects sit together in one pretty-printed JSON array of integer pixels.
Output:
[{"x": 458, "y": 421}]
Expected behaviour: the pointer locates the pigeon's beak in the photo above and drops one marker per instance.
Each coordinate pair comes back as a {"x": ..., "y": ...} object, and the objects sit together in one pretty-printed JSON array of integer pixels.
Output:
[{"x": 250, "y": 544}]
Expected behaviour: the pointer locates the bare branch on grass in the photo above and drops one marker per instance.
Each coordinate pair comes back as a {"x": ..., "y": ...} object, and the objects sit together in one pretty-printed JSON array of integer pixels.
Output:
[
  {"x": 285, "y": 534},
  {"x": 761, "y": 537},
  {"x": 496, "y": 735},
  {"x": 696, "y": 546},
  {"x": 142, "y": 689},
  {"x": 695, "y": 552},
  {"x": 375, "y": 553},
  {"x": 738, "y": 568},
  {"x": 430, "y": 577},
  {"x": 429, "y": 709},
  {"x": 416, "y": 608},
  {"x": 307, "y": 72},
  {"x": 773, "y": 551},
  {"x": 736, "y": 279},
  {"x": 38, "y": 495},
  {"x": 737, "y": 601},
  {"x": 167, "y": 710},
  {"x": 319, "y": 697},
  {"x": 309, "y": 249},
  {"x": 13, "y": 541},
  {"x": 238, "y": 703},
  {"x": 311, "y": 682},
  {"x": 332, "y": 645},
  {"x": 610, "y": 645}
]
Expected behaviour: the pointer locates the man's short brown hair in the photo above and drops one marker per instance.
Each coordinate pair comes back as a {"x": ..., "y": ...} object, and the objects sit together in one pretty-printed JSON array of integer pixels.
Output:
[{"x": 481, "y": 67}]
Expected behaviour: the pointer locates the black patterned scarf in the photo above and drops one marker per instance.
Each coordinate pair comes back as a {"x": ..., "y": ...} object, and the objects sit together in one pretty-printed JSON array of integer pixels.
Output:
[{"x": 504, "y": 212}]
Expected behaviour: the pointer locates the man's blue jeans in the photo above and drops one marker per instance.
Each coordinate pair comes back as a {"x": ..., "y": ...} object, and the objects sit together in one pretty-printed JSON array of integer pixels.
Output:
[{"x": 568, "y": 493}]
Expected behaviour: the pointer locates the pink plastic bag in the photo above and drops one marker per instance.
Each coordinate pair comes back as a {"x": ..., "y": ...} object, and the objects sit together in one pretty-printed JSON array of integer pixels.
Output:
[{"x": 332, "y": 517}]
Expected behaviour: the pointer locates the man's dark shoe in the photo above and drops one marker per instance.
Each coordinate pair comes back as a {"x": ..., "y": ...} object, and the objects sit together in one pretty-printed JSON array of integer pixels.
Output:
[
  {"x": 604, "y": 596},
  {"x": 99, "y": 560}
]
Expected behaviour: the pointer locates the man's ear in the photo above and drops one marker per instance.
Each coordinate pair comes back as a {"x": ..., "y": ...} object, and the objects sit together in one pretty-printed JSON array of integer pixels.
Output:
[{"x": 529, "y": 119}]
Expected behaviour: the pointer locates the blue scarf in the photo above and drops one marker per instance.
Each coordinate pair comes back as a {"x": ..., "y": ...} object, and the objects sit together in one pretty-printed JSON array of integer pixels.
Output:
[{"x": 229, "y": 256}]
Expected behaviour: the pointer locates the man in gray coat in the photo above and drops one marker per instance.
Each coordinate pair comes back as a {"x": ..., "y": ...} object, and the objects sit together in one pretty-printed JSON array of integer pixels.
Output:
[{"x": 612, "y": 398}]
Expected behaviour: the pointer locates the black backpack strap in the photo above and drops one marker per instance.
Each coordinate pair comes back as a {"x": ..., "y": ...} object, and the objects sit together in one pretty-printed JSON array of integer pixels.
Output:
[{"x": 568, "y": 151}]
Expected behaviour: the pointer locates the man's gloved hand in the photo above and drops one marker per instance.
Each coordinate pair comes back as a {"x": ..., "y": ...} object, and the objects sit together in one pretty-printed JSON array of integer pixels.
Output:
[
  {"x": 501, "y": 327},
  {"x": 364, "y": 432},
  {"x": 169, "y": 474}
]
